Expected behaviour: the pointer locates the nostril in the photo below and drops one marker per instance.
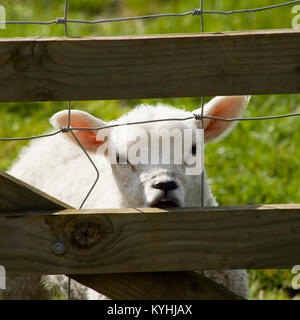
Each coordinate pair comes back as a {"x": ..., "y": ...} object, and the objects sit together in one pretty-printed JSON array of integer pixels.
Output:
[{"x": 166, "y": 186}]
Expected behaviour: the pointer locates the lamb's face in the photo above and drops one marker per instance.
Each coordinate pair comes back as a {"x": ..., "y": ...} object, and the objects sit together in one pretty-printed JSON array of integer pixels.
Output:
[
  {"x": 158, "y": 163},
  {"x": 152, "y": 161}
]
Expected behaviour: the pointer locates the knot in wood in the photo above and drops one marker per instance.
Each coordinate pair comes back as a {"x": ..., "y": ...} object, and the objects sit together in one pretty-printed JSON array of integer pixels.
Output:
[{"x": 86, "y": 235}]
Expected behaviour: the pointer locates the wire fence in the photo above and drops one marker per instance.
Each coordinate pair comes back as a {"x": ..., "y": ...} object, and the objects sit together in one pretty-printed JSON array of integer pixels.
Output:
[{"x": 195, "y": 12}]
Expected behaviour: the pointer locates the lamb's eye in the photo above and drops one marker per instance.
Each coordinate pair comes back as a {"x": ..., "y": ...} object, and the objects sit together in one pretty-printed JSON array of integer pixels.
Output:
[
  {"x": 122, "y": 161},
  {"x": 194, "y": 149}
]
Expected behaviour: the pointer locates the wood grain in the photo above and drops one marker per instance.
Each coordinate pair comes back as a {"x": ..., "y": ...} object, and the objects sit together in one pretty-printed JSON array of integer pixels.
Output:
[
  {"x": 152, "y": 240},
  {"x": 18, "y": 198},
  {"x": 16, "y": 195},
  {"x": 260, "y": 62},
  {"x": 156, "y": 286}
]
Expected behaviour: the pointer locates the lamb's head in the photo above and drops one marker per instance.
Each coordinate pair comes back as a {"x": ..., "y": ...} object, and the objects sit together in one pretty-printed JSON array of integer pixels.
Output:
[{"x": 155, "y": 163}]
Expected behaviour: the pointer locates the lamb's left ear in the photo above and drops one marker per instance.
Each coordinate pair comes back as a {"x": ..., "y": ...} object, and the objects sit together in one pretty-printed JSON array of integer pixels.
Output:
[
  {"x": 222, "y": 107},
  {"x": 88, "y": 138}
]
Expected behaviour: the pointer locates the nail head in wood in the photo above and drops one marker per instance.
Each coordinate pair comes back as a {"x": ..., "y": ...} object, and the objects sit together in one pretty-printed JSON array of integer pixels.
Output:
[{"x": 59, "y": 247}]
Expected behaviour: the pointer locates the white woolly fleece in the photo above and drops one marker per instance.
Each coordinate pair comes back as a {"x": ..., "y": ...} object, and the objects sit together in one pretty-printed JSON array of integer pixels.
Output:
[{"x": 58, "y": 167}]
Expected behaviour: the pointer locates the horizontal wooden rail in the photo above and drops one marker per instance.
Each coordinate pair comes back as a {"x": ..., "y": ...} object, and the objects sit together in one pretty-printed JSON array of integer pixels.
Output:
[
  {"x": 17, "y": 196},
  {"x": 259, "y": 62},
  {"x": 137, "y": 240},
  {"x": 150, "y": 240}
]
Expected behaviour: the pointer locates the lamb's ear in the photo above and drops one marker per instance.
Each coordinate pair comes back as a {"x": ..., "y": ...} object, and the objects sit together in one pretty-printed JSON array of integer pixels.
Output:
[
  {"x": 88, "y": 138},
  {"x": 222, "y": 107}
]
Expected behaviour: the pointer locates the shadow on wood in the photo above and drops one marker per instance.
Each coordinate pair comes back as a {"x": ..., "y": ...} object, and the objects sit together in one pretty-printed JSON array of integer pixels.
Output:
[{"x": 156, "y": 286}]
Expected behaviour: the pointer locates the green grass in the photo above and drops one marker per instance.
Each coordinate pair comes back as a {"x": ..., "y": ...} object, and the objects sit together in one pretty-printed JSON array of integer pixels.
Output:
[{"x": 257, "y": 163}]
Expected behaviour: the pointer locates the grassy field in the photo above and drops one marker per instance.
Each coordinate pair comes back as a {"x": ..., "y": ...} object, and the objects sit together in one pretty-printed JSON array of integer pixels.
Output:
[{"x": 258, "y": 163}]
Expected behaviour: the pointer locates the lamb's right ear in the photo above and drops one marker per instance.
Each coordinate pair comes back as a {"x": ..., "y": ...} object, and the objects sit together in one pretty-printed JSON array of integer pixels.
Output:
[{"x": 88, "y": 138}]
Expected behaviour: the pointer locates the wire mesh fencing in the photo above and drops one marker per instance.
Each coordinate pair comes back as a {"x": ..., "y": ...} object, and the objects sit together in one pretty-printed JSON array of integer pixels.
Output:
[
  {"x": 200, "y": 12},
  {"x": 194, "y": 12}
]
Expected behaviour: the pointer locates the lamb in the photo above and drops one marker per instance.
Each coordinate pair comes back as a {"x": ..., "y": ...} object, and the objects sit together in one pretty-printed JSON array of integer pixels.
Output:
[{"x": 58, "y": 167}]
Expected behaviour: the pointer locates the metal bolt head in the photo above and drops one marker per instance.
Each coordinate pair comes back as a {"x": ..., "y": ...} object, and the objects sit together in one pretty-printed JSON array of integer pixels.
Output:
[{"x": 59, "y": 247}]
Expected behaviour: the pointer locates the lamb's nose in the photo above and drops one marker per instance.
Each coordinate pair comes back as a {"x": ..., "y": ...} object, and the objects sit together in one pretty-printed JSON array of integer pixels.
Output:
[{"x": 166, "y": 186}]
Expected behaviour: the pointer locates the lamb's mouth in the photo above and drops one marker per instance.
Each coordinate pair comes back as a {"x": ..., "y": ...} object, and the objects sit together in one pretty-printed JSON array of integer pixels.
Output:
[{"x": 165, "y": 203}]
